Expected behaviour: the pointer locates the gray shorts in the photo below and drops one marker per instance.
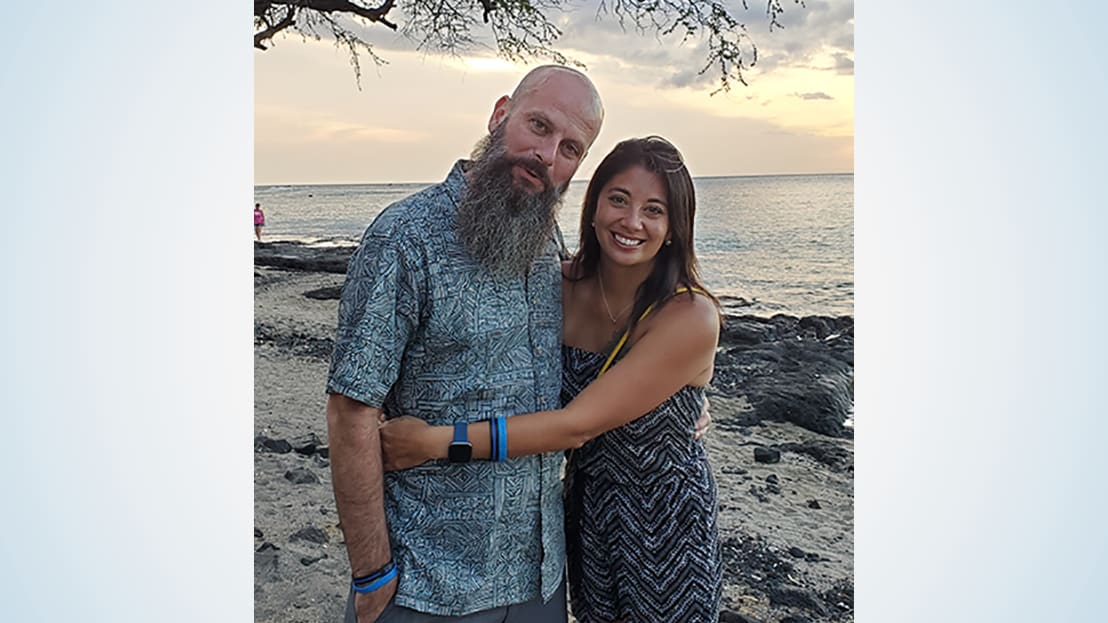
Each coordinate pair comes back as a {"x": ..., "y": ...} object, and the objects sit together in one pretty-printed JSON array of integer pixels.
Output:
[{"x": 534, "y": 611}]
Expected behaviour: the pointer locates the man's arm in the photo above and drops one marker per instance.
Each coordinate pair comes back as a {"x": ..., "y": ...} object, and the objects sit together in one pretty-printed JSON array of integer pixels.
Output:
[{"x": 355, "y": 455}]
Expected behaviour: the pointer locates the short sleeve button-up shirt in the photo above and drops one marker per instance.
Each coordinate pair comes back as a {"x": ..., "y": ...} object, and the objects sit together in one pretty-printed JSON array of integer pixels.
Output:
[{"x": 424, "y": 330}]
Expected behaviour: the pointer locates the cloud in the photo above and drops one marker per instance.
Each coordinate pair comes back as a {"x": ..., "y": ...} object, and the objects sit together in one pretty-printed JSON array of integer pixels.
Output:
[
  {"x": 844, "y": 64},
  {"x": 819, "y": 35},
  {"x": 813, "y": 96},
  {"x": 808, "y": 35},
  {"x": 341, "y": 131}
]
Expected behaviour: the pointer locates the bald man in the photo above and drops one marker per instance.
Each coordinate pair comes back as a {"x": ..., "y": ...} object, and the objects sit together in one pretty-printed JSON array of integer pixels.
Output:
[{"x": 451, "y": 311}]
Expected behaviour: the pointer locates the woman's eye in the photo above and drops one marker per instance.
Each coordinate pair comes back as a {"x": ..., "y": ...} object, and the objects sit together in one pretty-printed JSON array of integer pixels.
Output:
[{"x": 617, "y": 200}]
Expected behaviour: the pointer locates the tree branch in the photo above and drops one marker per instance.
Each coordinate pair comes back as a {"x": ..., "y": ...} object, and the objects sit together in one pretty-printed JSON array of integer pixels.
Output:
[
  {"x": 487, "y": 5},
  {"x": 268, "y": 33},
  {"x": 344, "y": 6},
  {"x": 520, "y": 29}
]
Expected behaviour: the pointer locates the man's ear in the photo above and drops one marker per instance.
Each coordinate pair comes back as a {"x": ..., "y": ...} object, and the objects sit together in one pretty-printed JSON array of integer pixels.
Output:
[{"x": 500, "y": 112}]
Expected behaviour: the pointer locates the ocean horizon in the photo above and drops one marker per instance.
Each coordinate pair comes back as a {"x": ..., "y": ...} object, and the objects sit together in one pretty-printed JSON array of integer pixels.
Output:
[{"x": 766, "y": 244}]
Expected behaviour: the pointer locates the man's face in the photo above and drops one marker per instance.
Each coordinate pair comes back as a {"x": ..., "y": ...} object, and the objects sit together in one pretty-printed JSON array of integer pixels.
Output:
[
  {"x": 505, "y": 223},
  {"x": 553, "y": 125}
]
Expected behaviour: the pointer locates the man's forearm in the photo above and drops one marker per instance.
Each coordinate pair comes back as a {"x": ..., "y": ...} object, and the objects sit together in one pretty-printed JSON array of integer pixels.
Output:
[{"x": 355, "y": 455}]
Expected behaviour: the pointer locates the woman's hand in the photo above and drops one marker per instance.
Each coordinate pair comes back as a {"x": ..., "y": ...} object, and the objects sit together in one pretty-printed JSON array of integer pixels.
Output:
[
  {"x": 402, "y": 442},
  {"x": 704, "y": 422}
]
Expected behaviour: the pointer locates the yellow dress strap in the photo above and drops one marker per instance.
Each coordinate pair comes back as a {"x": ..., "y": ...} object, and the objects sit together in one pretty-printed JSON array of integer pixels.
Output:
[{"x": 627, "y": 333}]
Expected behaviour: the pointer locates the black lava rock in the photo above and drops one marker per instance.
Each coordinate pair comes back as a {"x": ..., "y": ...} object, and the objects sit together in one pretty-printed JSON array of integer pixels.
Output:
[
  {"x": 751, "y": 562},
  {"x": 814, "y": 504},
  {"x": 301, "y": 476},
  {"x": 293, "y": 255},
  {"x": 265, "y": 563},
  {"x": 265, "y": 444},
  {"x": 311, "y": 534},
  {"x": 305, "y": 444},
  {"x": 296, "y": 343},
  {"x": 766, "y": 455},
  {"x": 840, "y": 596},
  {"x": 325, "y": 294},
  {"x": 797, "y": 598},
  {"x": 798, "y": 370}
]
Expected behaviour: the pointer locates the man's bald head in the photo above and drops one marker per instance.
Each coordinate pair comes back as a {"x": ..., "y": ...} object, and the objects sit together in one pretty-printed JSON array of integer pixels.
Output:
[{"x": 539, "y": 76}]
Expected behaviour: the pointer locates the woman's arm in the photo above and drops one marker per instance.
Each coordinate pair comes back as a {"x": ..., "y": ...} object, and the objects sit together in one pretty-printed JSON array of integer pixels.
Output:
[{"x": 678, "y": 348}]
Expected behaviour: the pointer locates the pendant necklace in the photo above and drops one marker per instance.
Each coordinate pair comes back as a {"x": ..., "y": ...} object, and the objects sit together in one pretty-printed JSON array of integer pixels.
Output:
[{"x": 604, "y": 297}]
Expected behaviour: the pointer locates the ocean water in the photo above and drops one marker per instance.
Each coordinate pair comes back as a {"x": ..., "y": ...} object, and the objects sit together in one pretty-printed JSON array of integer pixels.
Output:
[{"x": 766, "y": 244}]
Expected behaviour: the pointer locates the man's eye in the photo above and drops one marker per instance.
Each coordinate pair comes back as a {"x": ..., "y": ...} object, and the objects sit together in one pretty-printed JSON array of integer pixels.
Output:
[
  {"x": 572, "y": 151},
  {"x": 538, "y": 125}
]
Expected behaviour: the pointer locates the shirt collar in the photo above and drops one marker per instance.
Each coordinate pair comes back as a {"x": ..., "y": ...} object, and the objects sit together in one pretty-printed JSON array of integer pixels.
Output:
[{"x": 455, "y": 183}]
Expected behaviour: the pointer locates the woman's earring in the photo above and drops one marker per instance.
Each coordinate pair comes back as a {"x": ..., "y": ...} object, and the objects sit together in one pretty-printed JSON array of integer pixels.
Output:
[
  {"x": 594, "y": 224},
  {"x": 669, "y": 242}
]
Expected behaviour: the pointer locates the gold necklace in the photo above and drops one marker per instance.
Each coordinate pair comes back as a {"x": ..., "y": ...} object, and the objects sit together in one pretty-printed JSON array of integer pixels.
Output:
[{"x": 604, "y": 297}]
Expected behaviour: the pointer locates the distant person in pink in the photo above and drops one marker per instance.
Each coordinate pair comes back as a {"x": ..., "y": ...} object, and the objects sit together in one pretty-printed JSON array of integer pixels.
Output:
[{"x": 259, "y": 220}]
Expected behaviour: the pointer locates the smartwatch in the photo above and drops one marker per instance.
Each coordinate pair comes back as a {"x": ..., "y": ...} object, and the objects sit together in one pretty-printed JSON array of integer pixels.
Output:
[{"x": 460, "y": 449}]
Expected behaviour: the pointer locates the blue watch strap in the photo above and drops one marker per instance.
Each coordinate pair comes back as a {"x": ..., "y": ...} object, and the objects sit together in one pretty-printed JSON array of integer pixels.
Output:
[{"x": 461, "y": 432}]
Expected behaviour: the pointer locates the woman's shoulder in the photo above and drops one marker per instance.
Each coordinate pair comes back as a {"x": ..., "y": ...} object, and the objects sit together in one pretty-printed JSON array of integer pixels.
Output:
[
  {"x": 692, "y": 309},
  {"x": 692, "y": 301}
]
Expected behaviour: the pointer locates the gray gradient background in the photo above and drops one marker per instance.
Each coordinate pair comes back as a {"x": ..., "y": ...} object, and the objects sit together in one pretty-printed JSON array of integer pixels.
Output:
[{"x": 126, "y": 326}]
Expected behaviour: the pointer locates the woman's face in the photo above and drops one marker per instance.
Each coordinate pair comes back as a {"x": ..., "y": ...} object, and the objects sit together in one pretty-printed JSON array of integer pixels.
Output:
[{"x": 632, "y": 217}]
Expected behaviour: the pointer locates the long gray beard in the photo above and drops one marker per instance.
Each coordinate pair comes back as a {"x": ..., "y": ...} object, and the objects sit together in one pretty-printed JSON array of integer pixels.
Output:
[{"x": 503, "y": 227}]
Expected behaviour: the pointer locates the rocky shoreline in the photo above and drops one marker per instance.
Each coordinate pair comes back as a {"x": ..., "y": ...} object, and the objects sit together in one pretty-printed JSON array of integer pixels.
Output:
[{"x": 781, "y": 449}]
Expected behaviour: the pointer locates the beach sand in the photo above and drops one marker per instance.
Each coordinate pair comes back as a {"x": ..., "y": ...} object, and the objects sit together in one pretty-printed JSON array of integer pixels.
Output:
[{"x": 786, "y": 527}]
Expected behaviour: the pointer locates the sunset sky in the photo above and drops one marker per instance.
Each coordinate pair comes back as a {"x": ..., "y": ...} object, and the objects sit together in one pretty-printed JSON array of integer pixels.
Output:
[{"x": 416, "y": 115}]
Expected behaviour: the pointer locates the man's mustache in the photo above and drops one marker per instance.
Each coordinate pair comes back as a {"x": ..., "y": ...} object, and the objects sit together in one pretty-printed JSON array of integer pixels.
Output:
[{"x": 533, "y": 167}]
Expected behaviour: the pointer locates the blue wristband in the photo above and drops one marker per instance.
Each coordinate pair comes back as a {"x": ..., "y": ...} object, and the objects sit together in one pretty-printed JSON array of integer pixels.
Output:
[
  {"x": 494, "y": 440},
  {"x": 502, "y": 438},
  {"x": 376, "y": 580}
]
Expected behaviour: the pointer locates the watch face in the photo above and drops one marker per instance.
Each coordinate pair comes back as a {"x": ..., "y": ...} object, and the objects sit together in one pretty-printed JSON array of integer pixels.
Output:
[{"x": 459, "y": 452}]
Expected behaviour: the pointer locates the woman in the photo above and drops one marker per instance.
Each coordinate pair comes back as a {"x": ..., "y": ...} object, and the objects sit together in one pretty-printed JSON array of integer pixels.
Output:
[
  {"x": 259, "y": 220},
  {"x": 640, "y": 334}
]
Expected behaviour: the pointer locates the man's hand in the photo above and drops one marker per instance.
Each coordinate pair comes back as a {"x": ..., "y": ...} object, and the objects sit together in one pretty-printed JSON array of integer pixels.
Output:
[
  {"x": 369, "y": 606},
  {"x": 704, "y": 422}
]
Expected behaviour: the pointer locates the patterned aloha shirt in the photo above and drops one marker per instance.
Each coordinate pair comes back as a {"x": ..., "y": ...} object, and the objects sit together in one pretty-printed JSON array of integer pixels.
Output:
[{"x": 424, "y": 330}]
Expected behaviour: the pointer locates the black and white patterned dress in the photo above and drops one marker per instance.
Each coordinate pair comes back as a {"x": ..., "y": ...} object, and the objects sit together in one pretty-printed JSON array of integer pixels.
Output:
[{"x": 641, "y": 534}]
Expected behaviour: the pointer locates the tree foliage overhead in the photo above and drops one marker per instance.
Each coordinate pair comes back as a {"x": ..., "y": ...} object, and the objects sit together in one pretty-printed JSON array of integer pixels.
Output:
[{"x": 520, "y": 29}]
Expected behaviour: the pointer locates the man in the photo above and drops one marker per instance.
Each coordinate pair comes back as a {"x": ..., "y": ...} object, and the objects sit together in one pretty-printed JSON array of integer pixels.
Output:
[{"x": 451, "y": 311}]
